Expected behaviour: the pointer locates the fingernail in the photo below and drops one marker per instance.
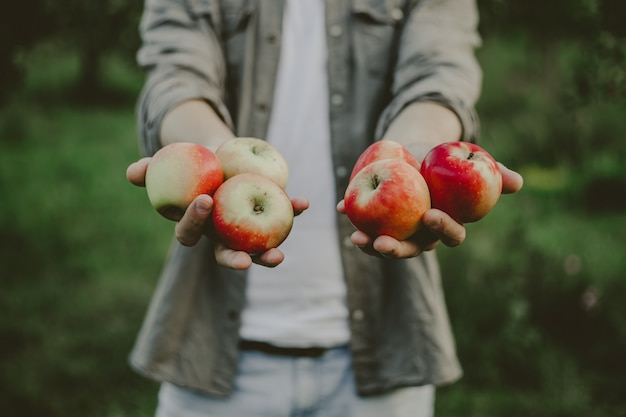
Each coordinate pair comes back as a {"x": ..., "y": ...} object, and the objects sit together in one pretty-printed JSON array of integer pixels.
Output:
[
  {"x": 203, "y": 206},
  {"x": 433, "y": 221}
]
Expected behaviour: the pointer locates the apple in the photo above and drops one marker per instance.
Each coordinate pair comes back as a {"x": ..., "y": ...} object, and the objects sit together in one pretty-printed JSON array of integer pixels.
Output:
[
  {"x": 254, "y": 155},
  {"x": 387, "y": 197},
  {"x": 251, "y": 213},
  {"x": 383, "y": 149},
  {"x": 464, "y": 180},
  {"x": 178, "y": 173}
]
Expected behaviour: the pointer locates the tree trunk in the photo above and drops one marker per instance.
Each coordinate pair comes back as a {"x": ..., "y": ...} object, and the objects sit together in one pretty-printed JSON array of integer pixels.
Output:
[{"x": 89, "y": 85}]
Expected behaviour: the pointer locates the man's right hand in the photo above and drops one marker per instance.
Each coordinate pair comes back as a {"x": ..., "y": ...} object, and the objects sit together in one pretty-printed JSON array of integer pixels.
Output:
[{"x": 195, "y": 223}]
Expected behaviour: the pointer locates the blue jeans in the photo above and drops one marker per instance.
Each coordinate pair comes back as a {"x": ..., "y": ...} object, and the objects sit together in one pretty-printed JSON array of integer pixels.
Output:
[{"x": 279, "y": 386}]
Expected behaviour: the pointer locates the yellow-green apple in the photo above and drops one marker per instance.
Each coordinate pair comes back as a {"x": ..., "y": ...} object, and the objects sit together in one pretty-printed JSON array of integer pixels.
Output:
[
  {"x": 383, "y": 149},
  {"x": 254, "y": 155},
  {"x": 178, "y": 173},
  {"x": 464, "y": 180},
  {"x": 251, "y": 213},
  {"x": 387, "y": 197}
]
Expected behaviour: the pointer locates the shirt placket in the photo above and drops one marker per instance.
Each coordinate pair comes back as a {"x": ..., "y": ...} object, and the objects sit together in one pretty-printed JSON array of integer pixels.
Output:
[{"x": 267, "y": 54}]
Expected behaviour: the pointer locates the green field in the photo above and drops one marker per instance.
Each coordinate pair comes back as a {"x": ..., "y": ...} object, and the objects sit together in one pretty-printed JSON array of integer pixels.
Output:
[{"x": 536, "y": 294}]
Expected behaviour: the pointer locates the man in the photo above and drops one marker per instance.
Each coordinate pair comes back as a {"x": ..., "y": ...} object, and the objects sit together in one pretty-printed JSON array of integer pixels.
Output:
[{"x": 334, "y": 322}]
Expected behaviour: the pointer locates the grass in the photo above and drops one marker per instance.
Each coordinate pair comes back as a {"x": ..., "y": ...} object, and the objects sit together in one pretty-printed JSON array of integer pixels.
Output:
[
  {"x": 80, "y": 253},
  {"x": 535, "y": 295}
]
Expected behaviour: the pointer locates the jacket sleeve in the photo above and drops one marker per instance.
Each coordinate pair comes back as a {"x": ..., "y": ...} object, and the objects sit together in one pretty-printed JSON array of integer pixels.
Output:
[
  {"x": 436, "y": 62},
  {"x": 183, "y": 60}
]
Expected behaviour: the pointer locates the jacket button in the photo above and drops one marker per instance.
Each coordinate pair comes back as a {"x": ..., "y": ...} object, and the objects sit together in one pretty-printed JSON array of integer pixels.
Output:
[
  {"x": 358, "y": 315},
  {"x": 397, "y": 14},
  {"x": 335, "y": 31},
  {"x": 341, "y": 171},
  {"x": 336, "y": 100}
]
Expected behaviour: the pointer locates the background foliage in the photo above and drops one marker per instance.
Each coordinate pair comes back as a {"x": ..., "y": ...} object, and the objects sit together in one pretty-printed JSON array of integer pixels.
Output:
[{"x": 535, "y": 295}]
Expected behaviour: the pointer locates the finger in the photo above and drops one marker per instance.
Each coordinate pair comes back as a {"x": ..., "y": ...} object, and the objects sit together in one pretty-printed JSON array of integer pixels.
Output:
[
  {"x": 361, "y": 239},
  {"x": 393, "y": 248},
  {"x": 136, "y": 172},
  {"x": 364, "y": 243},
  {"x": 388, "y": 247},
  {"x": 299, "y": 205},
  {"x": 341, "y": 207},
  {"x": 512, "y": 181},
  {"x": 231, "y": 258},
  {"x": 269, "y": 258},
  {"x": 194, "y": 222},
  {"x": 444, "y": 227}
]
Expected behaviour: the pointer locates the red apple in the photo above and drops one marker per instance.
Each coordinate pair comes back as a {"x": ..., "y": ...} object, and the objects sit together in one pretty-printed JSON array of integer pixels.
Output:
[
  {"x": 254, "y": 155},
  {"x": 464, "y": 180},
  {"x": 383, "y": 149},
  {"x": 178, "y": 173},
  {"x": 387, "y": 197},
  {"x": 251, "y": 213}
]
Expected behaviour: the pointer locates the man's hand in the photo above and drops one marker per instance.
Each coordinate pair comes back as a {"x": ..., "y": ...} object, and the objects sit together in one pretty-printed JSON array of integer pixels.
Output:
[
  {"x": 437, "y": 227},
  {"x": 196, "y": 223}
]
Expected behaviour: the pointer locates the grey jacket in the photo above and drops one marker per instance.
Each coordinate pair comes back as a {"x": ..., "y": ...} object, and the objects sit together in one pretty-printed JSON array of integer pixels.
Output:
[{"x": 382, "y": 56}]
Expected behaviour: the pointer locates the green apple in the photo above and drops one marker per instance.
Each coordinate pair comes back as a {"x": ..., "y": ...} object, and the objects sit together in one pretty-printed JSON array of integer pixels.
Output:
[
  {"x": 253, "y": 155},
  {"x": 177, "y": 174}
]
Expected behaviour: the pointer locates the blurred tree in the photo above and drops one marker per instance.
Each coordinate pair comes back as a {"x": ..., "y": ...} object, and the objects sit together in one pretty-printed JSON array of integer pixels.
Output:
[
  {"x": 20, "y": 29},
  {"x": 596, "y": 25},
  {"x": 612, "y": 14},
  {"x": 561, "y": 101},
  {"x": 95, "y": 29},
  {"x": 578, "y": 48},
  {"x": 542, "y": 21}
]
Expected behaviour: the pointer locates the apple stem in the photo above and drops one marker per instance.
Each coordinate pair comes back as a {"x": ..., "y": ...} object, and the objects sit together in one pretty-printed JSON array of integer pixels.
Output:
[
  {"x": 375, "y": 181},
  {"x": 258, "y": 208},
  {"x": 471, "y": 155}
]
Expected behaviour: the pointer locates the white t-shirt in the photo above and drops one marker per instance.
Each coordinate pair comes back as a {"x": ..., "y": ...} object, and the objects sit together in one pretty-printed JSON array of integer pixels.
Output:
[{"x": 301, "y": 302}]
